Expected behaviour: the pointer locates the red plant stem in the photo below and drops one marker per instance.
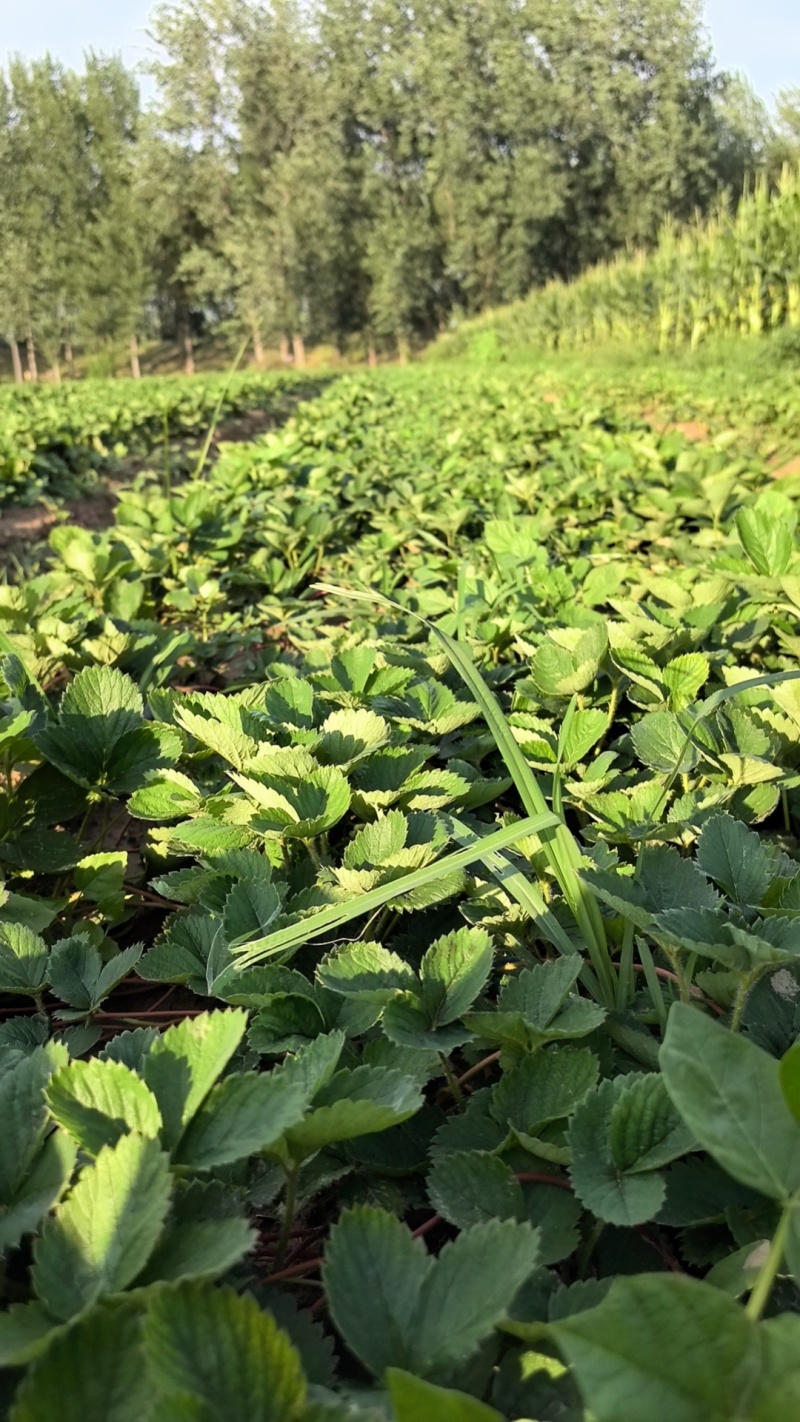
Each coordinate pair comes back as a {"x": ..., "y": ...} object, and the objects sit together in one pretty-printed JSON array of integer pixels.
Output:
[
  {"x": 294, "y": 1272},
  {"x": 478, "y": 1067},
  {"x": 175, "y": 1014},
  {"x": 695, "y": 991},
  {"x": 428, "y": 1225},
  {"x": 661, "y": 1249}
]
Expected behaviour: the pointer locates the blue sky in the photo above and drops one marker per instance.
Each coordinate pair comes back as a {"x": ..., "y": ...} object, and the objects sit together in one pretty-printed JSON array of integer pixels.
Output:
[{"x": 763, "y": 39}]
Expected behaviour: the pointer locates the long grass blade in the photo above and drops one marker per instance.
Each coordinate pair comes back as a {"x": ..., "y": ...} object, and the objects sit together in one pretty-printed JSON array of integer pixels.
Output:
[
  {"x": 560, "y": 847},
  {"x": 287, "y": 940}
]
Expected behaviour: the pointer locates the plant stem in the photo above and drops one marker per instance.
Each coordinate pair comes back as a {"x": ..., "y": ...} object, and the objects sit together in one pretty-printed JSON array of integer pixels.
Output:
[
  {"x": 455, "y": 1090},
  {"x": 478, "y": 1068},
  {"x": 740, "y": 1001},
  {"x": 289, "y": 1202},
  {"x": 769, "y": 1269}
]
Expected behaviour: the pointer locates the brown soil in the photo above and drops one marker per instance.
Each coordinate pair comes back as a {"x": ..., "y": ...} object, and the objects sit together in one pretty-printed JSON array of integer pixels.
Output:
[
  {"x": 693, "y": 430},
  {"x": 788, "y": 469},
  {"x": 21, "y": 528}
]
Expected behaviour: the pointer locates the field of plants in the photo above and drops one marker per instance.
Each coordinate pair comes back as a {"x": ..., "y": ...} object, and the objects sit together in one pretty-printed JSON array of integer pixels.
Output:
[
  {"x": 735, "y": 273},
  {"x": 400, "y": 929},
  {"x": 55, "y": 439}
]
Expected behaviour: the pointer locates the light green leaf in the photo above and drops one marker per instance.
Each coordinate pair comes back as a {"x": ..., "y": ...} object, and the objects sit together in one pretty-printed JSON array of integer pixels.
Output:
[
  {"x": 217, "y": 1350},
  {"x": 662, "y": 744},
  {"x": 102, "y": 1235},
  {"x": 23, "y": 960},
  {"x": 767, "y": 539},
  {"x": 168, "y": 795},
  {"x": 683, "y": 677},
  {"x": 354, "y": 1103},
  {"x": 241, "y": 1115},
  {"x": 185, "y": 1061},
  {"x": 202, "y": 1249},
  {"x": 416, "y": 1401},
  {"x": 101, "y": 1357},
  {"x": 366, "y": 970},
  {"x": 97, "y": 1102},
  {"x": 453, "y": 971}
]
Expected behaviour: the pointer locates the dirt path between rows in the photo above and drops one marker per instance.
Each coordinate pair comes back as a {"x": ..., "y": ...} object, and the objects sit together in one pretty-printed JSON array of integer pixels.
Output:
[{"x": 22, "y": 528}]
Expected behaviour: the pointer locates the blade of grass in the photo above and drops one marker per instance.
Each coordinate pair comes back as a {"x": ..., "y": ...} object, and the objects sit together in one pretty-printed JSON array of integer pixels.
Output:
[
  {"x": 215, "y": 417},
  {"x": 559, "y": 845},
  {"x": 286, "y": 940}
]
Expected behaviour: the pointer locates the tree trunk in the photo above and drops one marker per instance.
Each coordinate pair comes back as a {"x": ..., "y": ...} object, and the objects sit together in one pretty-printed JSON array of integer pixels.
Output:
[
  {"x": 299, "y": 349},
  {"x": 136, "y": 370},
  {"x": 15, "y": 359},
  {"x": 402, "y": 349},
  {"x": 258, "y": 344},
  {"x": 33, "y": 369},
  {"x": 372, "y": 356},
  {"x": 284, "y": 348},
  {"x": 188, "y": 352},
  {"x": 70, "y": 359},
  {"x": 55, "y": 371}
]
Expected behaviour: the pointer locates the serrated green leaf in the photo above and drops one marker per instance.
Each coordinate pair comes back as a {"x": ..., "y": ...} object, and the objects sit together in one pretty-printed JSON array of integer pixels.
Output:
[
  {"x": 202, "y": 1249},
  {"x": 354, "y": 1103},
  {"x": 767, "y": 540},
  {"x": 545, "y": 1087},
  {"x": 101, "y": 1355},
  {"x": 97, "y": 1102},
  {"x": 241, "y": 1115},
  {"x": 471, "y": 1187},
  {"x": 216, "y": 1349},
  {"x": 416, "y": 1401},
  {"x": 710, "y": 1364},
  {"x": 661, "y": 743},
  {"x": 366, "y": 970},
  {"x": 396, "y": 1307},
  {"x": 736, "y": 858},
  {"x": 184, "y": 1062},
  {"x": 102, "y": 1235},
  {"x": 452, "y": 973},
  {"x": 728, "y": 1092},
  {"x": 23, "y": 960}
]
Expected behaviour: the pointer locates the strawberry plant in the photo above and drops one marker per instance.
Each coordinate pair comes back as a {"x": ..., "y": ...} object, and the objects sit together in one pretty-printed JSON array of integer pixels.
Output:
[{"x": 399, "y": 965}]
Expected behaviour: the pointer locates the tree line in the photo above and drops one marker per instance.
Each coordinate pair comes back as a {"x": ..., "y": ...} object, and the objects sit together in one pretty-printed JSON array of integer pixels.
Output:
[{"x": 346, "y": 171}]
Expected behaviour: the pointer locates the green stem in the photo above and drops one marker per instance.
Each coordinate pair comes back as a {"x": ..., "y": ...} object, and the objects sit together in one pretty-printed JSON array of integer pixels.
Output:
[
  {"x": 289, "y": 1203},
  {"x": 769, "y": 1269},
  {"x": 452, "y": 1082},
  {"x": 587, "y": 1248},
  {"x": 740, "y": 1000},
  {"x": 215, "y": 417}
]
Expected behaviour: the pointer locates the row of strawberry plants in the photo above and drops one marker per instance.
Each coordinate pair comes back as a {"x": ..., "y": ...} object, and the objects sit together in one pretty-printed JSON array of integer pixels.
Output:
[
  {"x": 430, "y": 983},
  {"x": 53, "y": 439}
]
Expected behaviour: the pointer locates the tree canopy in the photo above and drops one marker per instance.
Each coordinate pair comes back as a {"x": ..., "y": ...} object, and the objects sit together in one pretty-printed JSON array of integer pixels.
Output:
[{"x": 317, "y": 170}]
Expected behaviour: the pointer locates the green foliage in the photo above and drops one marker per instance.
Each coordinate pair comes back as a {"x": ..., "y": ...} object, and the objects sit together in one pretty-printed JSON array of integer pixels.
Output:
[{"x": 400, "y": 992}]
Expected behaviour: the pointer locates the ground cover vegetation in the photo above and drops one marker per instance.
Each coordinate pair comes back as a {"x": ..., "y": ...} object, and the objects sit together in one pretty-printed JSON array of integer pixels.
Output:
[
  {"x": 56, "y": 440},
  {"x": 356, "y": 173},
  {"x": 398, "y": 939}
]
